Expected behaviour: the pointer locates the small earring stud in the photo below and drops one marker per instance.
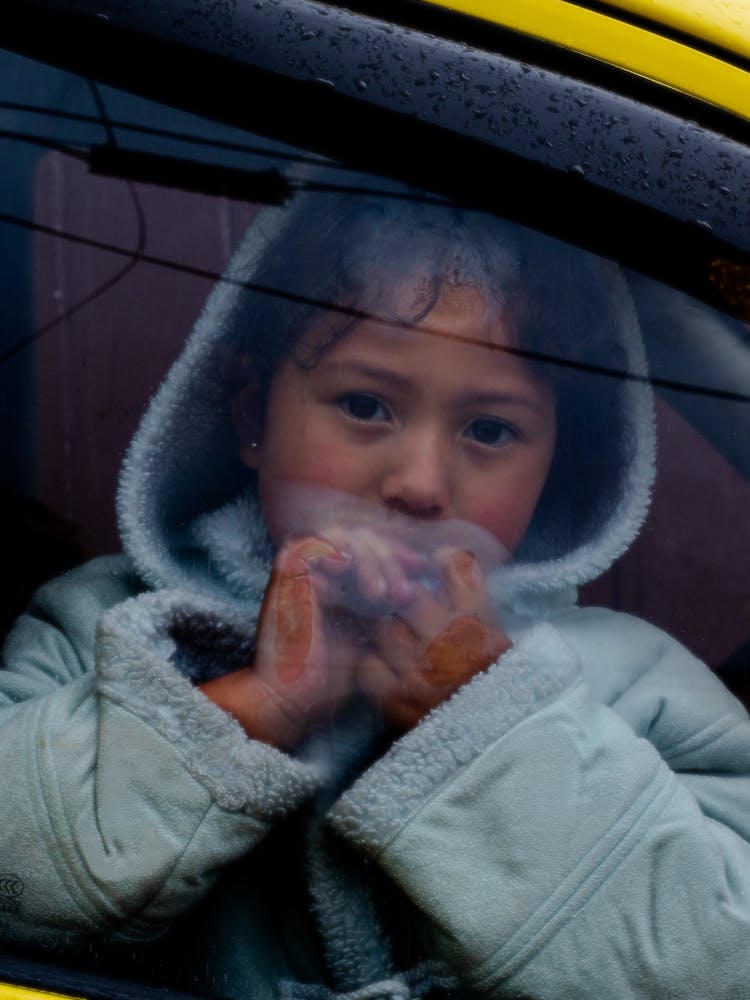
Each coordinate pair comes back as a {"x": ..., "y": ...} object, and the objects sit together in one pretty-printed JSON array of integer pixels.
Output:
[{"x": 253, "y": 444}]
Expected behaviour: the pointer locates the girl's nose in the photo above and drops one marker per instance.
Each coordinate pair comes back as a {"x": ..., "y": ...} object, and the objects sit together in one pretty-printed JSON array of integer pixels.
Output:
[{"x": 416, "y": 480}]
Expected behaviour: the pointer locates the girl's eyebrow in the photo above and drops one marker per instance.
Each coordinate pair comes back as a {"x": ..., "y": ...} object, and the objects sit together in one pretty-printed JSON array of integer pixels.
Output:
[
  {"x": 504, "y": 398},
  {"x": 367, "y": 370}
]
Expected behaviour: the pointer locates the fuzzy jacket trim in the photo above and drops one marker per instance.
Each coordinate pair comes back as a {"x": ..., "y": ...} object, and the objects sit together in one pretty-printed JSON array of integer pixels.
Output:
[
  {"x": 183, "y": 458},
  {"x": 356, "y": 948},
  {"x": 423, "y": 980},
  {"x": 134, "y": 648},
  {"x": 239, "y": 549},
  {"x": 528, "y": 586},
  {"x": 530, "y": 675}
]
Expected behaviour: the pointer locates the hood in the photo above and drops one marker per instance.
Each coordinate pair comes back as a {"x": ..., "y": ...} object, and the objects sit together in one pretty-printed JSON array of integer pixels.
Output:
[{"x": 187, "y": 509}]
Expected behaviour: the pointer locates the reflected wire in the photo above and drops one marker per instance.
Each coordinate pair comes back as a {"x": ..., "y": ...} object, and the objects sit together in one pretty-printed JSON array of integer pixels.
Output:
[
  {"x": 357, "y": 314},
  {"x": 135, "y": 255}
]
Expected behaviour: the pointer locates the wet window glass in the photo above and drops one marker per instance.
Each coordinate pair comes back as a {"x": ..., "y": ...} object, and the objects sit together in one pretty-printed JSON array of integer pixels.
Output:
[{"x": 376, "y": 580}]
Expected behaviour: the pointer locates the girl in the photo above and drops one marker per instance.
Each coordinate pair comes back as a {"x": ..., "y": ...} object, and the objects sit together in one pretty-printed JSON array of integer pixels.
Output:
[{"x": 343, "y": 654}]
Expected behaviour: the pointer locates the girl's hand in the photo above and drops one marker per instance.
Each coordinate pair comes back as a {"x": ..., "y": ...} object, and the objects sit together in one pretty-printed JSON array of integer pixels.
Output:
[
  {"x": 385, "y": 553},
  {"x": 372, "y": 572},
  {"x": 304, "y": 662},
  {"x": 427, "y": 652}
]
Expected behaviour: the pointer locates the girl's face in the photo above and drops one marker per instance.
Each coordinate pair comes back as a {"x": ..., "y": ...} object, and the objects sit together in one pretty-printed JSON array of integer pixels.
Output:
[{"x": 435, "y": 422}]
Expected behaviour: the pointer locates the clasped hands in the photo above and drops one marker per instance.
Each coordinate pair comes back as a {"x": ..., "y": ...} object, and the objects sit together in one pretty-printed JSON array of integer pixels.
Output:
[{"x": 358, "y": 609}]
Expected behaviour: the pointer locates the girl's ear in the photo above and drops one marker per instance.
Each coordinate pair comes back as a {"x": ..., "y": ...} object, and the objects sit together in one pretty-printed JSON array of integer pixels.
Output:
[{"x": 245, "y": 409}]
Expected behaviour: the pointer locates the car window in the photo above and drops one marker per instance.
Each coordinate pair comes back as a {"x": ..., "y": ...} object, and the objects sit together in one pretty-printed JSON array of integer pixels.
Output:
[{"x": 318, "y": 450}]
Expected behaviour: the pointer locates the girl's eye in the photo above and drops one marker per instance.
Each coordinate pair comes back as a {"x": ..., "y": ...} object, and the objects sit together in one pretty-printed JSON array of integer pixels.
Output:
[
  {"x": 491, "y": 432},
  {"x": 362, "y": 406}
]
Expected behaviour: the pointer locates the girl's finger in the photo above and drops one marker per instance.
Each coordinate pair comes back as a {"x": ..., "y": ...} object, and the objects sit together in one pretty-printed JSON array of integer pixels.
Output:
[
  {"x": 409, "y": 559},
  {"x": 335, "y": 566},
  {"x": 379, "y": 569},
  {"x": 401, "y": 588},
  {"x": 309, "y": 549},
  {"x": 463, "y": 582},
  {"x": 461, "y": 650},
  {"x": 398, "y": 644},
  {"x": 290, "y": 629},
  {"x": 398, "y": 559},
  {"x": 403, "y": 697},
  {"x": 369, "y": 574},
  {"x": 383, "y": 564},
  {"x": 376, "y": 679},
  {"x": 426, "y": 613}
]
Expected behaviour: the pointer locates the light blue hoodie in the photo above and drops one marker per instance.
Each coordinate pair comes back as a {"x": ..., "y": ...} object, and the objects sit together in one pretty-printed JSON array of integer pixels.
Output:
[{"x": 574, "y": 822}]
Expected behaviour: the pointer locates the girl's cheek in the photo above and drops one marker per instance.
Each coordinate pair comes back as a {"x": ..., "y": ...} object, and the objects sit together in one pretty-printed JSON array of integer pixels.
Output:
[{"x": 507, "y": 522}]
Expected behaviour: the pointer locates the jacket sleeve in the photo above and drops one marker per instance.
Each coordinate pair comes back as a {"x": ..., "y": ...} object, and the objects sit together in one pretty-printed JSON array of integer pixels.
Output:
[
  {"x": 561, "y": 846},
  {"x": 124, "y": 790}
]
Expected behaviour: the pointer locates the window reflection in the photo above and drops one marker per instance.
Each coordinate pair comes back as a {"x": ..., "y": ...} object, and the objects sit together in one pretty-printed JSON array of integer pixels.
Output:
[{"x": 324, "y": 711}]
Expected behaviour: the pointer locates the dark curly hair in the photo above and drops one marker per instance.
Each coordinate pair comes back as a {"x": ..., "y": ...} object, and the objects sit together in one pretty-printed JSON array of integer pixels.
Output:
[{"x": 345, "y": 256}]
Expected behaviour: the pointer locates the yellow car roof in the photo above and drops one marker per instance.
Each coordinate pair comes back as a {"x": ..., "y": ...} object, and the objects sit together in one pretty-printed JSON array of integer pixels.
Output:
[{"x": 696, "y": 47}]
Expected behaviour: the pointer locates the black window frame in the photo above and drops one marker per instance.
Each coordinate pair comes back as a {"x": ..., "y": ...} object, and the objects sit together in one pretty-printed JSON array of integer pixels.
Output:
[{"x": 446, "y": 112}]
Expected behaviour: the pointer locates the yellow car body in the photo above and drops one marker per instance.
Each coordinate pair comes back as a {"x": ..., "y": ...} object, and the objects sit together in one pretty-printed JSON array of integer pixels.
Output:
[{"x": 696, "y": 47}]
